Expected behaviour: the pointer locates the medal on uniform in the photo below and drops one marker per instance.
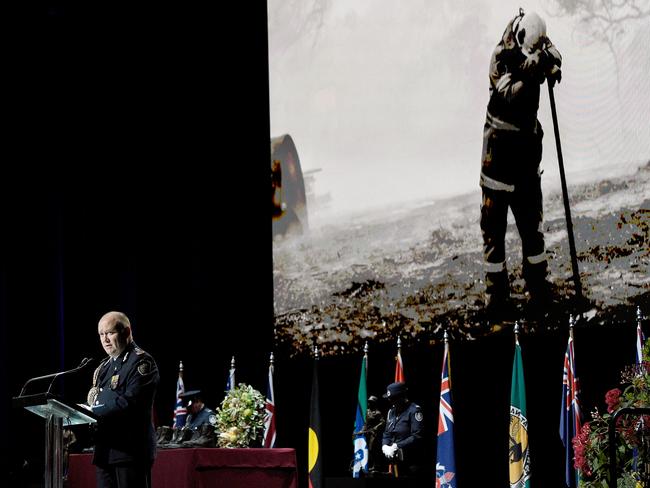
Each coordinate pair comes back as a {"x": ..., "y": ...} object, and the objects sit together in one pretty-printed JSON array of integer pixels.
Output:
[
  {"x": 92, "y": 395},
  {"x": 114, "y": 379}
]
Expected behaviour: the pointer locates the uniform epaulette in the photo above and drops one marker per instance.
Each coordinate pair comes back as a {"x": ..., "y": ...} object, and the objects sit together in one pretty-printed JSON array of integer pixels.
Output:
[{"x": 138, "y": 351}]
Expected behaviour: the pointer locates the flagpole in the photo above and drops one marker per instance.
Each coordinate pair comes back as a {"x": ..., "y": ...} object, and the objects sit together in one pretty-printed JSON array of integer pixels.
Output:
[
  {"x": 639, "y": 317},
  {"x": 314, "y": 455},
  {"x": 640, "y": 340},
  {"x": 268, "y": 440},
  {"x": 519, "y": 454},
  {"x": 445, "y": 340},
  {"x": 399, "y": 366},
  {"x": 445, "y": 466},
  {"x": 232, "y": 370},
  {"x": 359, "y": 440},
  {"x": 570, "y": 414},
  {"x": 179, "y": 412},
  {"x": 231, "y": 373},
  {"x": 576, "y": 474},
  {"x": 516, "y": 332}
]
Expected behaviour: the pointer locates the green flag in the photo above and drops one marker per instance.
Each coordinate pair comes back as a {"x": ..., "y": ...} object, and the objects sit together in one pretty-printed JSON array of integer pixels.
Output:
[
  {"x": 519, "y": 455},
  {"x": 359, "y": 441}
]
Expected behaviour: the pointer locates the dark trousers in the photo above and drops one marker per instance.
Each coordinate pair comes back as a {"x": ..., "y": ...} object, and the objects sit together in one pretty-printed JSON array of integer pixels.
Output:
[
  {"x": 526, "y": 205},
  {"x": 126, "y": 475}
]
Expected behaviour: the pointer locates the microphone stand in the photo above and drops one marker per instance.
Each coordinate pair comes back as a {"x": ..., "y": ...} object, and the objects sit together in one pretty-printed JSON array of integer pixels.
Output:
[{"x": 54, "y": 376}]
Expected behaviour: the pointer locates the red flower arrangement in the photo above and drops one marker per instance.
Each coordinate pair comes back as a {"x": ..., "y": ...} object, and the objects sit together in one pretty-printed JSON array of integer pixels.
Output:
[{"x": 590, "y": 445}]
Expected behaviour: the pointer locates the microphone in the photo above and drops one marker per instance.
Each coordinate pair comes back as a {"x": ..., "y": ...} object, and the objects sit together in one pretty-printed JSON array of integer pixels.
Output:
[{"x": 84, "y": 362}]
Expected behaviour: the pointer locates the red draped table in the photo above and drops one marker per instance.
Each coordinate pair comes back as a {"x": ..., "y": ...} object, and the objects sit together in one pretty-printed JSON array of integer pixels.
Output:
[{"x": 206, "y": 468}]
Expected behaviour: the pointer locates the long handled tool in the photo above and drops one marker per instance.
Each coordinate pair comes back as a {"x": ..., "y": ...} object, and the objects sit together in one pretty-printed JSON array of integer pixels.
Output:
[{"x": 565, "y": 195}]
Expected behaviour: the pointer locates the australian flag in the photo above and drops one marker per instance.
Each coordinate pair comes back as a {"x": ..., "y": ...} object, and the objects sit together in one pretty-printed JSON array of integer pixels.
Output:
[
  {"x": 269, "y": 420},
  {"x": 571, "y": 415},
  {"x": 445, "y": 457},
  {"x": 180, "y": 412}
]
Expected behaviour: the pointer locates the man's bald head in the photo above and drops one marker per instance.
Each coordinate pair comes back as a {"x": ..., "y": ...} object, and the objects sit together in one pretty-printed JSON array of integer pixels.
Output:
[{"x": 114, "y": 331}]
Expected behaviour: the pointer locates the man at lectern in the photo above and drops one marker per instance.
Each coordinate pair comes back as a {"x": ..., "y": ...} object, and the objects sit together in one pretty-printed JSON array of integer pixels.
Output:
[{"x": 122, "y": 395}]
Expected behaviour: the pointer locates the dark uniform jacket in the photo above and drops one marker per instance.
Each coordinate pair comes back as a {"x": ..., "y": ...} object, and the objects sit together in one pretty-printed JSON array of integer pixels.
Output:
[
  {"x": 405, "y": 429},
  {"x": 512, "y": 136},
  {"x": 203, "y": 417},
  {"x": 126, "y": 388}
]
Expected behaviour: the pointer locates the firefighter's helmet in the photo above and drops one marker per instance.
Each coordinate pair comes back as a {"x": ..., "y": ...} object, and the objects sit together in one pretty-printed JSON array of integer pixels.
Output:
[{"x": 530, "y": 32}]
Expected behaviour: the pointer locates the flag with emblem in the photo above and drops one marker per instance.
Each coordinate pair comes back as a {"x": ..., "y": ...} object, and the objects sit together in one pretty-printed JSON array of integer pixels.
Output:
[
  {"x": 269, "y": 421},
  {"x": 399, "y": 366},
  {"x": 571, "y": 414},
  {"x": 519, "y": 454},
  {"x": 360, "y": 462},
  {"x": 180, "y": 412},
  {"x": 445, "y": 456},
  {"x": 230, "y": 384},
  {"x": 314, "y": 455}
]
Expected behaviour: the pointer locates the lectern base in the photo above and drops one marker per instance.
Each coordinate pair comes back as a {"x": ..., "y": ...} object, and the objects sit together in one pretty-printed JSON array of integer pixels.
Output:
[{"x": 54, "y": 452}]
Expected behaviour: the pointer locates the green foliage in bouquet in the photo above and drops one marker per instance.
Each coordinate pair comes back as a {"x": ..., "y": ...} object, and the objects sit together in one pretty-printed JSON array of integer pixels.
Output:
[
  {"x": 240, "y": 418},
  {"x": 591, "y": 444}
]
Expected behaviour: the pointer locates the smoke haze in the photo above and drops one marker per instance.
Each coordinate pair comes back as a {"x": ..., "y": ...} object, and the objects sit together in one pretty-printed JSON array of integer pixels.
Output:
[{"x": 388, "y": 98}]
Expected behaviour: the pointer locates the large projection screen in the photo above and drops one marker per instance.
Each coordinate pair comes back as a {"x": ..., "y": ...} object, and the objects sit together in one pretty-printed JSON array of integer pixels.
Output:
[{"x": 377, "y": 111}]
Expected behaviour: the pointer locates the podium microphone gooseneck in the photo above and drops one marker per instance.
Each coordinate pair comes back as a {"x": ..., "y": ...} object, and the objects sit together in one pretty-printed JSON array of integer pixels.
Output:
[{"x": 54, "y": 376}]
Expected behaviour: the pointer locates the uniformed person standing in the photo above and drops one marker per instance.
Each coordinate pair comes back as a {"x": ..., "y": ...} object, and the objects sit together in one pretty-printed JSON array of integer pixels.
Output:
[
  {"x": 402, "y": 442},
  {"x": 199, "y": 414},
  {"x": 122, "y": 396},
  {"x": 512, "y": 152},
  {"x": 374, "y": 430}
]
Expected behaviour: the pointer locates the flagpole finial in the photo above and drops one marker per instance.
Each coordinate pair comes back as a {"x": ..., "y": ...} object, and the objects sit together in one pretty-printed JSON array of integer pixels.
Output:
[
  {"x": 639, "y": 317},
  {"x": 232, "y": 362},
  {"x": 315, "y": 352},
  {"x": 572, "y": 323},
  {"x": 445, "y": 337},
  {"x": 516, "y": 331},
  {"x": 271, "y": 358},
  {"x": 399, "y": 343},
  {"x": 365, "y": 348},
  {"x": 180, "y": 367}
]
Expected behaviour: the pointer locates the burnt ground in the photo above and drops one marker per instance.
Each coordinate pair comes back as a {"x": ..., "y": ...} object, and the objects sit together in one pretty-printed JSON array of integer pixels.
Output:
[{"x": 413, "y": 271}]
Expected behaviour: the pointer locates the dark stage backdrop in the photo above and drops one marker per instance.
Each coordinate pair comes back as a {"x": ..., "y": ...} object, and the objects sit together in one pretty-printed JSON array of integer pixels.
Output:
[{"x": 135, "y": 178}]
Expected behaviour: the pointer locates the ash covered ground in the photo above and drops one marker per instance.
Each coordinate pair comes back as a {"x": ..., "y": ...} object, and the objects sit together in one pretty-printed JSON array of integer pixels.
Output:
[{"x": 416, "y": 269}]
